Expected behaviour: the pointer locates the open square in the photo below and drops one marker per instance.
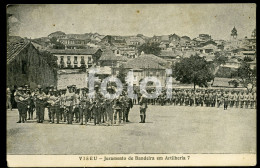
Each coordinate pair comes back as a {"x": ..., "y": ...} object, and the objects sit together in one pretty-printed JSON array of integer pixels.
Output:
[{"x": 169, "y": 129}]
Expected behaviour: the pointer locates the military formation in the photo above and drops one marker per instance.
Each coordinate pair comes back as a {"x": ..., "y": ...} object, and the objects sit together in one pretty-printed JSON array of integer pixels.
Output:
[
  {"x": 72, "y": 105},
  {"x": 207, "y": 98}
]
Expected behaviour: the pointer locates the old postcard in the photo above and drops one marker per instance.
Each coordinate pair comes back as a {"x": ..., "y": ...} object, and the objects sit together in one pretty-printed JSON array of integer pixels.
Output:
[{"x": 131, "y": 85}]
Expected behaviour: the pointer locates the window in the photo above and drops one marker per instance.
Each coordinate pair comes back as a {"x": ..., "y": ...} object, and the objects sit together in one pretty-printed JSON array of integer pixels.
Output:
[
  {"x": 62, "y": 61},
  {"x": 117, "y": 52},
  {"x": 75, "y": 60},
  {"x": 68, "y": 60}
]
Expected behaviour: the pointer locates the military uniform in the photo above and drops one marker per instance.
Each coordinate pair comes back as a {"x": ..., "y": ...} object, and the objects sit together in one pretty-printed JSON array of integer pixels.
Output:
[
  {"x": 226, "y": 100},
  {"x": 241, "y": 99},
  {"x": 143, "y": 107},
  {"x": 54, "y": 101},
  {"x": 247, "y": 100},
  {"x": 22, "y": 102},
  {"x": 69, "y": 98},
  {"x": 40, "y": 104}
]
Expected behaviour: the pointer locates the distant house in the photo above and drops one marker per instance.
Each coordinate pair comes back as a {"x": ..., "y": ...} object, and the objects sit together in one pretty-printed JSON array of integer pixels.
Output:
[
  {"x": 147, "y": 65},
  {"x": 73, "y": 43},
  {"x": 208, "y": 47},
  {"x": 76, "y": 58},
  {"x": 26, "y": 65},
  {"x": 108, "y": 58}
]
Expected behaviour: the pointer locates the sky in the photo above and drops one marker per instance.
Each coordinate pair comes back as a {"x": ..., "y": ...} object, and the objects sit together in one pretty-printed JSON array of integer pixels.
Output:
[{"x": 33, "y": 21}]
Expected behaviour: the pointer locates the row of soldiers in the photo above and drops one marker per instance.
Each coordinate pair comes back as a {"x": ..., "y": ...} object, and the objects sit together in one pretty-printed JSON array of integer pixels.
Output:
[
  {"x": 72, "y": 104},
  {"x": 208, "y": 98}
]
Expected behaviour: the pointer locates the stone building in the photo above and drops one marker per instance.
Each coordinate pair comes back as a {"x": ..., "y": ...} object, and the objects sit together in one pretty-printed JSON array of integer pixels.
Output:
[{"x": 26, "y": 65}]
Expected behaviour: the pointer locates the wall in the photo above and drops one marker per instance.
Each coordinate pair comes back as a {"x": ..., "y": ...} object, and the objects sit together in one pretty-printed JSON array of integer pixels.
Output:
[
  {"x": 71, "y": 77},
  {"x": 36, "y": 70}
]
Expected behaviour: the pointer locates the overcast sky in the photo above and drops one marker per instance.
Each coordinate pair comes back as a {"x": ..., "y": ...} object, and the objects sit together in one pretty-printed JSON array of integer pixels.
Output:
[{"x": 153, "y": 19}]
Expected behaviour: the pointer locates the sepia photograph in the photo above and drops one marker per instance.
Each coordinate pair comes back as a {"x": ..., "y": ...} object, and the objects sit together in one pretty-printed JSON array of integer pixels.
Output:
[{"x": 131, "y": 85}]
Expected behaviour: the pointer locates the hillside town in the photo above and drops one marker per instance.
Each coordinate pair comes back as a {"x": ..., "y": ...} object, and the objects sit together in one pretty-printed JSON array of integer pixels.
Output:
[{"x": 71, "y": 56}]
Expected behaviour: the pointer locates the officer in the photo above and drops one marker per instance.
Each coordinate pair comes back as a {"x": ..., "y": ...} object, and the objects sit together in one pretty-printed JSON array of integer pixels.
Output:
[
  {"x": 40, "y": 103},
  {"x": 109, "y": 107},
  {"x": 143, "y": 107}
]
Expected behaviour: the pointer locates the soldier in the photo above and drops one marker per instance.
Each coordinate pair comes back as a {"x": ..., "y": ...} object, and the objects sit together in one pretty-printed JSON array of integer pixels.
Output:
[
  {"x": 40, "y": 102},
  {"x": 76, "y": 104},
  {"x": 174, "y": 96},
  {"x": 231, "y": 99},
  {"x": 206, "y": 98},
  {"x": 54, "y": 102},
  {"x": 62, "y": 105},
  {"x": 246, "y": 99},
  {"x": 129, "y": 106},
  {"x": 84, "y": 106},
  {"x": 219, "y": 98},
  {"x": 251, "y": 98},
  {"x": 117, "y": 111},
  {"x": 109, "y": 107},
  {"x": 226, "y": 98},
  {"x": 31, "y": 105},
  {"x": 21, "y": 104},
  {"x": 47, "y": 104},
  {"x": 95, "y": 110},
  {"x": 143, "y": 107},
  {"x": 201, "y": 95},
  {"x": 241, "y": 99},
  {"x": 8, "y": 99},
  {"x": 214, "y": 98},
  {"x": 192, "y": 97},
  {"x": 254, "y": 95},
  {"x": 69, "y": 98},
  {"x": 236, "y": 98}
]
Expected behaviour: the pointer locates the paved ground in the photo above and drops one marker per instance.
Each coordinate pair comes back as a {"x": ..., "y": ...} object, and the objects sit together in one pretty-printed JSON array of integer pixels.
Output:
[{"x": 169, "y": 129}]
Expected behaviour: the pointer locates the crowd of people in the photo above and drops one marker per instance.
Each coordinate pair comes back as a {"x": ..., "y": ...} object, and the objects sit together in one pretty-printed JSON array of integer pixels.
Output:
[{"x": 73, "y": 105}]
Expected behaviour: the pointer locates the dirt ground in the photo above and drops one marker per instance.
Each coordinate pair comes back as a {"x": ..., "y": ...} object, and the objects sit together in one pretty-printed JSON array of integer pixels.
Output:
[{"x": 168, "y": 129}]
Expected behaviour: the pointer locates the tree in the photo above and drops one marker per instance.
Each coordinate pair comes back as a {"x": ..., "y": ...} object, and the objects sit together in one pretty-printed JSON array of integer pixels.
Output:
[
  {"x": 234, "y": 82},
  {"x": 150, "y": 48},
  {"x": 57, "y": 45},
  {"x": 246, "y": 75},
  {"x": 194, "y": 69}
]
